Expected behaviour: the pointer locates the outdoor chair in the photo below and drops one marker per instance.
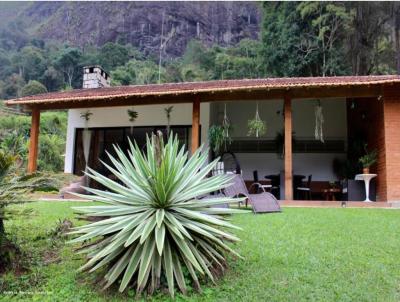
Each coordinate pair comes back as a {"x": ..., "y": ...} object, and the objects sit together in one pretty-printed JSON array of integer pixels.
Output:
[
  {"x": 276, "y": 184},
  {"x": 261, "y": 203},
  {"x": 306, "y": 190},
  {"x": 260, "y": 186}
]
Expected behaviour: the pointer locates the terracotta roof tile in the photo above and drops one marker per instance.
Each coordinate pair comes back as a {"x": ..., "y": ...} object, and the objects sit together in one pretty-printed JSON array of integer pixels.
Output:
[{"x": 203, "y": 87}]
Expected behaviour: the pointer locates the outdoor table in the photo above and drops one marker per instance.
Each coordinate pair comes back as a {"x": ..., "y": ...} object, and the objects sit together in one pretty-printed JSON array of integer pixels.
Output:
[
  {"x": 366, "y": 178},
  {"x": 330, "y": 193},
  {"x": 273, "y": 177}
]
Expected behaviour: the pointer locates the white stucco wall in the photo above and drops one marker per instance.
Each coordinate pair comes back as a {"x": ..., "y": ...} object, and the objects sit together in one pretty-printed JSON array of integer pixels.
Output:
[
  {"x": 317, "y": 164},
  {"x": 149, "y": 115}
]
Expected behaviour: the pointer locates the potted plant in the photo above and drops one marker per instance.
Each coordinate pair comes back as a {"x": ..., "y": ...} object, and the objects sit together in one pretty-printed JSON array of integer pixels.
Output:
[
  {"x": 257, "y": 127},
  {"x": 216, "y": 138},
  {"x": 368, "y": 159},
  {"x": 132, "y": 117}
]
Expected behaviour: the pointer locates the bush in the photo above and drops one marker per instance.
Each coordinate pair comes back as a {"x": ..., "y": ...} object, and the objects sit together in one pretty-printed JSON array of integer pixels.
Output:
[
  {"x": 32, "y": 88},
  {"x": 14, "y": 137},
  {"x": 154, "y": 227},
  {"x": 51, "y": 150}
]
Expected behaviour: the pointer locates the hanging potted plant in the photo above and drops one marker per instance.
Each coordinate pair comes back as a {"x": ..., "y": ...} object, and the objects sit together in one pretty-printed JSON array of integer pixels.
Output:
[
  {"x": 132, "y": 117},
  {"x": 227, "y": 127},
  {"x": 256, "y": 126},
  {"x": 368, "y": 159},
  {"x": 319, "y": 122}
]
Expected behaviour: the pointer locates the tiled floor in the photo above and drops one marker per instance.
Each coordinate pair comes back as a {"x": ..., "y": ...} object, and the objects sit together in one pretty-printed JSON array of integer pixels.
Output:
[{"x": 334, "y": 204}]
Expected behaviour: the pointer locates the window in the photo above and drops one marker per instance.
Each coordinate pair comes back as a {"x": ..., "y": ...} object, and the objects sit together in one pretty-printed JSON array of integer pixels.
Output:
[{"x": 104, "y": 139}]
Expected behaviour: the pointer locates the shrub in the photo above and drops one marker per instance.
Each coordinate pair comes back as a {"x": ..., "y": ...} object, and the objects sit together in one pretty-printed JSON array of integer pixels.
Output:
[
  {"x": 32, "y": 88},
  {"x": 51, "y": 150},
  {"x": 14, "y": 137},
  {"x": 153, "y": 226}
]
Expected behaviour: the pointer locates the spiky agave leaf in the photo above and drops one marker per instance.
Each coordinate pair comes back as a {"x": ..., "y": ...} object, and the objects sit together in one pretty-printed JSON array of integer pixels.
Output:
[{"x": 154, "y": 222}]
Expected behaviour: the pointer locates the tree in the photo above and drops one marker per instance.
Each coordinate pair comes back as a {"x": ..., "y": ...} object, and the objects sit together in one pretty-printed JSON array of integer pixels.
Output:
[
  {"x": 113, "y": 55},
  {"x": 192, "y": 73},
  {"x": 197, "y": 54},
  {"x": 285, "y": 49},
  {"x": 30, "y": 62},
  {"x": 32, "y": 88},
  {"x": 368, "y": 27},
  {"x": 327, "y": 24},
  {"x": 52, "y": 79},
  {"x": 67, "y": 61},
  {"x": 121, "y": 76},
  {"x": 5, "y": 64},
  {"x": 13, "y": 36},
  {"x": 12, "y": 86},
  {"x": 238, "y": 62},
  {"x": 137, "y": 72}
]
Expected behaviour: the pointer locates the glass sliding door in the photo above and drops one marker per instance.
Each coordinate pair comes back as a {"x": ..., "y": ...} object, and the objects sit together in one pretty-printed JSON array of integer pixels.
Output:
[{"x": 103, "y": 140}]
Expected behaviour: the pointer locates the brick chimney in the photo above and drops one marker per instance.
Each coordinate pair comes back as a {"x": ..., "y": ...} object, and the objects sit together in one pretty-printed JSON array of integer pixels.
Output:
[{"x": 95, "y": 77}]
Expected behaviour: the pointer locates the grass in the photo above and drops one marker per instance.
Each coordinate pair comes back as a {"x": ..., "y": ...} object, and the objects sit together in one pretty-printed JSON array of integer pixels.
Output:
[{"x": 303, "y": 254}]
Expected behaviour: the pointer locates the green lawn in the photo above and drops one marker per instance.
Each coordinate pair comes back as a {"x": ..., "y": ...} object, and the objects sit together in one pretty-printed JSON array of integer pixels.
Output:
[{"x": 303, "y": 254}]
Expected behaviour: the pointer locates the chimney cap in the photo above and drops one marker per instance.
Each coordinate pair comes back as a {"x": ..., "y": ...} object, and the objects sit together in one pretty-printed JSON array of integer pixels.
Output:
[
  {"x": 94, "y": 76},
  {"x": 95, "y": 66}
]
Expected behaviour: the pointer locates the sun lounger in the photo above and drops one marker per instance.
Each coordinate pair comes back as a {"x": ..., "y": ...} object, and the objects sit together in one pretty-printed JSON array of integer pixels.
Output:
[{"x": 261, "y": 203}]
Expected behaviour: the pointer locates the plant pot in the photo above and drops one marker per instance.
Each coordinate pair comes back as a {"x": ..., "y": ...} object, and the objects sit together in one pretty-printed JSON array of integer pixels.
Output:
[{"x": 366, "y": 170}]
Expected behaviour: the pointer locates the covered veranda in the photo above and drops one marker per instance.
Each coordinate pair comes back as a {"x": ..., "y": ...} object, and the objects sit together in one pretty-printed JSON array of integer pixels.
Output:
[{"x": 377, "y": 95}]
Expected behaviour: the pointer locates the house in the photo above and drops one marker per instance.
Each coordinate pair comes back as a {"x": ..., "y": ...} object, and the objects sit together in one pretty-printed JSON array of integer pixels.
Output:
[{"x": 355, "y": 109}]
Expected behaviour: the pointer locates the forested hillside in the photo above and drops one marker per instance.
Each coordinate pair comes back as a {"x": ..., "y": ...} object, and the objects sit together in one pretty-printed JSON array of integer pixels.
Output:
[{"x": 43, "y": 45}]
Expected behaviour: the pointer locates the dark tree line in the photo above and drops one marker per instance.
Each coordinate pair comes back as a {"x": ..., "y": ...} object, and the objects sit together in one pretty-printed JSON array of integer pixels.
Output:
[{"x": 331, "y": 38}]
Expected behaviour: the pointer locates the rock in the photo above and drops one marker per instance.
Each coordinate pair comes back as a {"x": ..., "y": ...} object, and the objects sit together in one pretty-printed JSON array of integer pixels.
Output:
[{"x": 140, "y": 23}]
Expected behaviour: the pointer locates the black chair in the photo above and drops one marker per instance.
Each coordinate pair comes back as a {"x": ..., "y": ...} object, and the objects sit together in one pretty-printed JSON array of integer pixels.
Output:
[
  {"x": 275, "y": 182},
  {"x": 258, "y": 185},
  {"x": 305, "y": 191}
]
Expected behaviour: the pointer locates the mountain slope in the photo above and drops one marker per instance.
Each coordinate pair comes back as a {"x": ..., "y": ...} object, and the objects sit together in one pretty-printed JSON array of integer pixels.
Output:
[{"x": 141, "y": 23}]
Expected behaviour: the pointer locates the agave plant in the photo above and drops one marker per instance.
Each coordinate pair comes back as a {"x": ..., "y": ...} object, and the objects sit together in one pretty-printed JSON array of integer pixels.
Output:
[{"x": 154, "y": 224}]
